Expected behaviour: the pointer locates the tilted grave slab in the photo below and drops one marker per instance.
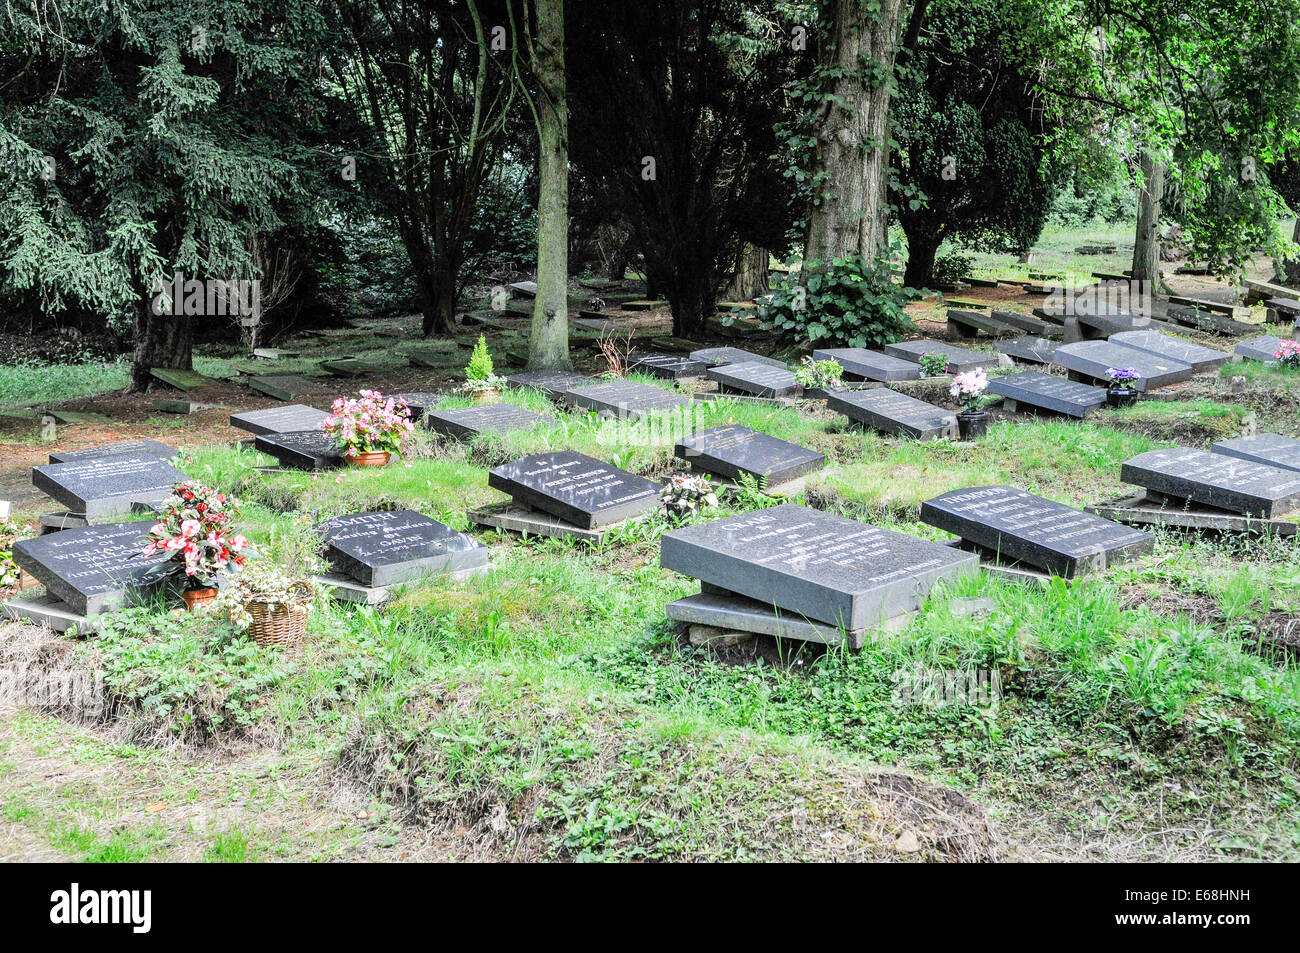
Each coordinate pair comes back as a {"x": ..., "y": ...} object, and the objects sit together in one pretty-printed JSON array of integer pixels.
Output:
[
  {"x": 894, "y": 413},
  {"x": 815, "y": 565},
  {"x": 959, "y": 360},
  {"x": 102, "y": 487},
  {"x": 1028, "y": 324},
  {"x": 1216, "y": 307},
  {"x": 418, "y": 402},
  {"x": 181, "y": 380},
  {"x": 715, "y": 356},
  {"x": 1261, "y": 348},
  {"x": 1092, "y": 327},
  {"x": 395, "y": 546},
  {"x": 1270, "y": 449},
  {"x": 1210, "y": 321},
  {"x": 1047, "y": 392},
  {"x": 754, "y": 377},
  {"x": 552, "y": 383},
  {"x": 731, "y": 451},
  {"x": 94, "y": 567},
  {"x": 1018, "y": 527},
  {"x": 666, "y": 366},
  {"x": 1091, "y": 359},
  {"x": 302, "y": 449},
  {"x": 147, "y": 448},
  {"x": 286, "y": 386},
  {"x": 1217, "y": 480},
  {"x": 862, "y": 364},
  {"x": 278, "y": 419},
  {"x": 1172, "y": 348},
  {"x": 1029, "y": 350},
  {"x": 968, "y": 324},
  {"x": 468, "y": 422},
  {"x": 630, "y": 399},
  {"x": 579, "y": 489}
]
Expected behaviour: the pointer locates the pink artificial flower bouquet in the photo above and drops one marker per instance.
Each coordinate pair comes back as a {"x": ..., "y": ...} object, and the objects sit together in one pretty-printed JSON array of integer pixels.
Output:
[
  {"x": 196, "y": 530},
  {"x": 1288, "y": 353},
  {"x": 969, "y": 388}
]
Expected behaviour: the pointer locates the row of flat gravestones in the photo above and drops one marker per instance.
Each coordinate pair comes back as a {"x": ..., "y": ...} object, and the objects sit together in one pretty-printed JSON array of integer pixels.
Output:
[{"x": 788, "y": 571}]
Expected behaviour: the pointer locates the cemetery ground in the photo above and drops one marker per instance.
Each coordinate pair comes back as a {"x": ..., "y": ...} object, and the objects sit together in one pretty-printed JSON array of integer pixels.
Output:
[{"x": 547, "y": 709}]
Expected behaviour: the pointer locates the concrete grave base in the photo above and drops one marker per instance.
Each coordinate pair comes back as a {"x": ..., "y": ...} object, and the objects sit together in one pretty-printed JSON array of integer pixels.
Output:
[
  {"x": 53, "y": 522},
  {"x": 1009, "y": 571},
  {"x": 515, "y": 518},
  {"x": 47, "y": 610},
  {"x": 1147, "y": 509},
  {"x": 346, "y": 589}
]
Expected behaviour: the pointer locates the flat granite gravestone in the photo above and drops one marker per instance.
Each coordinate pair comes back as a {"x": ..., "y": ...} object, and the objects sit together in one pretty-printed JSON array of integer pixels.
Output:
[
  {"x": 815, "y": 564},
  {"x": 89, "y": 567},
  {"x": 1029, "y": 350},
  {"x": 553, "y": 383},
  {"x": 1016, "y": 526},
  {"x": 1168, "y": 346},
  {"x": 1204, "y": 320},
  {"x": 1090, "y": 359},
  {"x": 891, "y": 412},
  {"x": 1091, "y": 327},
  {"x": 279, "y": 419},
  {"x": 146, "y": 448},
  {"x": 285, "y": 386},
  {"x": 1044, "y": 391},
  {"x": 864, "y": 364},
  {"x": 579, "y": 489},
  {"x": 417, "y": 402},
  {"x": 301, "y": 449},
  {"x": 181, "y": 380},
  {"x": 1214, "y": 479},
  {"x": 1028, "y": 323},
  {"x": 105, "y": 486},
  {"x": 391, "y": 547},
  {"x": 755, "y": 377},
  {"x": 959, "y": 359},
  {"x": 667, "y": 366},
  {"x": 731, "y": 450},
  {"x": 968, "y": 324},
  {"x": 1270, "y": 449},
  {"x": 466, "y": 422},
  {"x": 714, "y": 356},
  {"x": 624, "y": 398},
  {"x": 1260, "y": 348}
]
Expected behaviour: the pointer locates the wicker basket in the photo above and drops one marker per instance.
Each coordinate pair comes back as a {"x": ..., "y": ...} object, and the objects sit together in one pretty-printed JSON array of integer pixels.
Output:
[{"x": 275, "y": 623}]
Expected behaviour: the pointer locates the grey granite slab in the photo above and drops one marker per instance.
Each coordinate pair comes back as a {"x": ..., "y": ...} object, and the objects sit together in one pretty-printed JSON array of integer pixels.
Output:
[
  {"x": 577, "y": 488},
  {"x": 1261, "y": 348},
  {"x": 894, "y": 413},
  {"x": 859, "y": 362},
  {"x": 1271, "y": 449},
  {"x": 146, "y": 448},
  {"x": 959, "y": 359},
  {"x": 1176, "y": 349},
  {"x": 666, "y": 366},
  {"x": 1029, "y": 350},
  {"x": 93, "y": 567},
  {"x": 301, "y": 449},
  {"x": 278, "y": 419},
  {"x": 552, "y": 383},
  {"x": 625, "y": 399},
  {"x": 468, "y": 422},
  {"x": 1047, "y": 392},
  {"x": 1091, "y": 359},
  {"x": 394, "y": 546},
  {"x": 755, "y": 377},
  {"x": 106, "y": 486},
  {"x": 715, "y": 356},
  {"x": 1217, "y": 480},
  {"x": 731, "y": 450}
]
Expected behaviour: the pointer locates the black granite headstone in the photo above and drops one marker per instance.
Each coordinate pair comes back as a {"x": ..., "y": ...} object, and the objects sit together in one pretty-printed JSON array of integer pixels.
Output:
[
  {"x": 1091, "y": 359},
  {"x": 891, "y": 412},
  {"x": 969, "y": 324},
  {"x": 625, "y": 398},
  {"x": 815, "y": 564},
  {"x": 467, "y": 422},
  {"x": 1016, "y": 526},
  {"x": 90, "y": 567},
  {"x": 1172, "y": 348},
  {"x": 1027, "y": 323},
  {"x": 761, "y": 380},
  {"x": 106, "y": 486},
  {"x": 279, "y": 419},
  {"x": 666, "y": 366},
  {"x": 146, "y": 448},
  {"x": 302, "y": 449},
  {"x": 390, "y": 547},
  {"x": 552, "y": 383},
  {"x": 1271, "y": 449},
  {"x": 715, "y": 356},
  {"x": 732, "y": 450},
  {"x": 1046, "y": 392},
  {"x": 1029, "y": 350},
  {"x": 1261, "y": 348},
  {"x": 862, "y": 364},
  {"x": 959, "y": 359},
  {"x": 1217, "y": 480},
  {"x": 579, "y": 489}
]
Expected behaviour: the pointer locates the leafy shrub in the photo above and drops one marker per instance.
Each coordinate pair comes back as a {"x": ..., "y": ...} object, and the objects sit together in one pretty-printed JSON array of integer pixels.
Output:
[
  {"x": 848, "y": 303},
  {"x": 949, "y": 269},
  {"x": 825, "y": 374}
]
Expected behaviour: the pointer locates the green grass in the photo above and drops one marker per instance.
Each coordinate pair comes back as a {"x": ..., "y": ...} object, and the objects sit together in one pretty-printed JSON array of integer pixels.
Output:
[{"x": 25, "y": 384}]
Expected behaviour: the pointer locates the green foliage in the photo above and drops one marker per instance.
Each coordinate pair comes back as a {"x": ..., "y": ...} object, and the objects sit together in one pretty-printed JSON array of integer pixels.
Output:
[
  {"x": 847, "y": 303},
  {"x": 949, "y": 269},
  {"x": 480, "y": 367},
  {"x": 812, "y": 373}
]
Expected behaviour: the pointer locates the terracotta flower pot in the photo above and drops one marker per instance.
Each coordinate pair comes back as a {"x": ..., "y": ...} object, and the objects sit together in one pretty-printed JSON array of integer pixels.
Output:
[
  {"x": 368, "y": 458},
  {"x": 195, "y": 597}
]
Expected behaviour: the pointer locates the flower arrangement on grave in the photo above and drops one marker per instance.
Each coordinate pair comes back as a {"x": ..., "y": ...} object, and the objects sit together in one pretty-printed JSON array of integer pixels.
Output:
[
  {"x": 687, "y": 493},
  {"x": 969, "y": 389},
  {"x": 267, "y": 602},
  {"x": 826, "y": 375},
  {"x": 1121, "y": 386},
  {"x": 1287, "y": 353},
  {"x": 369, "y": 428},
  {"x": 196, "y": 529},
  {"x": 933, "y": 365},
  {"x": 481, "y": 381},
  {"x": 9, "y": 571}
]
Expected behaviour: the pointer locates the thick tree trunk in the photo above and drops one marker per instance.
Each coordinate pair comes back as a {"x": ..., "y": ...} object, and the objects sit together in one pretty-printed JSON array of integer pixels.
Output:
[
  {"x": 548, "y": 343},
  {"x": 161, "y": 340},
  {"x": 438, "y": 300},
  {"x": 922, "y": 247},
  {"x": 692, "y": 299},
  {"x": 1146, "y": 242},
  {"x": 1291, "y": 276},
  {"x": 850, "y": 214},
  {"x": 752, "y": 274}
]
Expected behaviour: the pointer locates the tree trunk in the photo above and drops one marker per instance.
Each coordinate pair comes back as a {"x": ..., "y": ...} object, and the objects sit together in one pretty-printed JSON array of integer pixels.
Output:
[
  {"x": 1291, "y": 274},
  {"x": 548, "y": 343},
  {"x": 1146, "y": 243},
  {"x": 161, "y": 340},
  {"x": 922, "y": 247},
  {"x": 752, "y": 274},
  {"x": 850, "y": 216},
  {"x": 438, "y": 302}
]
